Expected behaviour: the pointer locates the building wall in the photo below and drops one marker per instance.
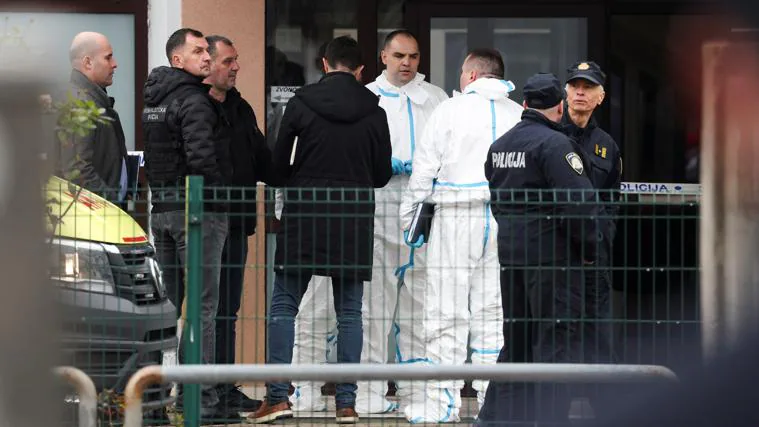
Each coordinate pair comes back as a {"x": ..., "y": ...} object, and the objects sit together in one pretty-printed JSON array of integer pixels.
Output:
[
  {"x": 243, "y": 22},
  {"x": 164, "y": 17}
]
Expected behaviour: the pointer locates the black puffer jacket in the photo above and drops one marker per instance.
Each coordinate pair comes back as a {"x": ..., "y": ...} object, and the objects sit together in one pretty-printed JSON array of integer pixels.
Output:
[
  {"x": 251, "y": 161},
  {"x": 342, "y": 154},
  {"x": 180, "y": 113}
]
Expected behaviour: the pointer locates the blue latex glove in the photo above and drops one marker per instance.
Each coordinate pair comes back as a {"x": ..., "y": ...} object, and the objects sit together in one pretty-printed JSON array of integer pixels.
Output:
[
  {"x": 398, "y": 167},
  {"x": 419, "y": 242},
  {"x": 407, "y": 167}
]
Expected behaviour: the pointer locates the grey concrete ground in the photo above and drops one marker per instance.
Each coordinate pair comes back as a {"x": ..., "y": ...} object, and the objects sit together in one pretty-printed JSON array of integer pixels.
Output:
[
  {"x": 306, "y": 419},
  {"x": 580, "y": 410}
]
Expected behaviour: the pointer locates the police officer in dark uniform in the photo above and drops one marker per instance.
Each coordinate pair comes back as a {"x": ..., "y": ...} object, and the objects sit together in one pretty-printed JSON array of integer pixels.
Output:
[
  {"x": 545, "y": 240},
  {"x": 585, "y": 92}
]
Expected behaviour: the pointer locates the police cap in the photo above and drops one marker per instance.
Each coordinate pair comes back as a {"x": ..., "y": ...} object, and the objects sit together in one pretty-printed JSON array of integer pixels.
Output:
[
  {"x": 587, "y": 70},
  {"x": 543, "y": 91}
]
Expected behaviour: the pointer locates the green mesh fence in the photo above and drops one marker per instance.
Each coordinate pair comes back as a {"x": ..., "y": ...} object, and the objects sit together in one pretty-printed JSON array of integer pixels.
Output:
[
  {"x": 653, "y": 303},
  {"x": 448, "y": 309}
]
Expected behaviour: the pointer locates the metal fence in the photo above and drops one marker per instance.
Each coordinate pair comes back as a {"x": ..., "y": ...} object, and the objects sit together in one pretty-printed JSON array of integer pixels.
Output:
[{"x": 133, "y": 323}]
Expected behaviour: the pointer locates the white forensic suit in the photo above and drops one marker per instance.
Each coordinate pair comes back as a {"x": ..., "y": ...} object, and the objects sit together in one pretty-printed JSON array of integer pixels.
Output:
[
  {"x": 408, "y": 109},
  {"x": 462, "y": 294}
]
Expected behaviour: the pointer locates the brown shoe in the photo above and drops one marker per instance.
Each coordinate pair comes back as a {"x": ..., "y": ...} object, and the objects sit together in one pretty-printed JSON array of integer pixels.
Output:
[
  {"x": 268, "y": 414},
  {"x": 346, "y": 416}
]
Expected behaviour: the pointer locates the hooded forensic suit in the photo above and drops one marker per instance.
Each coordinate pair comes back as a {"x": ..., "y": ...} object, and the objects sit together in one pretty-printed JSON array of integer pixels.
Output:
[
  {"x": 462, "y": 294},
  {"x": 408, "y": 109}
]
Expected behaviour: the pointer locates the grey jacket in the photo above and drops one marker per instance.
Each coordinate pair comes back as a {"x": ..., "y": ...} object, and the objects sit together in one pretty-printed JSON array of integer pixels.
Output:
[{"x": 98, "y": 156}]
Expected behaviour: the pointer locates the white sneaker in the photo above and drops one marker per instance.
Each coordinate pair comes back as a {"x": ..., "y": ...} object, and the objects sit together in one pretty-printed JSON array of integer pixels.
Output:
[{"x": 308, "y": 399}]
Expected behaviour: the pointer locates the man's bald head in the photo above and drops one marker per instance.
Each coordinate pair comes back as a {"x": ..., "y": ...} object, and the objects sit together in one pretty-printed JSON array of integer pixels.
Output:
[
  {"x": 92, "y": 55},
  {"x": 85, "y": 44}
]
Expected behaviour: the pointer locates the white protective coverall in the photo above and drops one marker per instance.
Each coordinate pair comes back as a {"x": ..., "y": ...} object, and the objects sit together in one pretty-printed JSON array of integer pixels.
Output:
[
  {"x": 463, "y": 298},
  {"x": 408, "y": 109}
]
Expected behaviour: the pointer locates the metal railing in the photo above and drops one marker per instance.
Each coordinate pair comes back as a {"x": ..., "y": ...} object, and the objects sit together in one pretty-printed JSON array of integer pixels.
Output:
[
  {"x": 524, "y": 372},
  {"x": 85, "y": 388}
]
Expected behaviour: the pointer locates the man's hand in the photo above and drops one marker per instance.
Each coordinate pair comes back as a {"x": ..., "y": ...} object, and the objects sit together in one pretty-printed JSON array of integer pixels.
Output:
[
  {"x": 407, "y": 167},
  {"x": 398, "y": 167}
]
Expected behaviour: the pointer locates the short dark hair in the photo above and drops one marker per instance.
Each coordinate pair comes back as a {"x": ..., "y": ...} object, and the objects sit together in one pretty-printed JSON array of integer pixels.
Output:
[
  {"x": 212, "y": 40},
  {"x": 178, "y": 39},
  {"x": 319, "y": 55},
  {"x": 487, "y": 61},
  {"x": 343, "y": 51},
  {"x": 400, "y": 32}
]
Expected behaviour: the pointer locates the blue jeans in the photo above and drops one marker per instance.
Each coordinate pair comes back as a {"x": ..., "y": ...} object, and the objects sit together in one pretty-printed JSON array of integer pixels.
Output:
[{"x": 288, "y": 292}]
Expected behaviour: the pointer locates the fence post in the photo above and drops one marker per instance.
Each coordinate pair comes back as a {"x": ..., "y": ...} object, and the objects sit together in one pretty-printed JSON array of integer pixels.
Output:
[{"x": 193, "y": 332}]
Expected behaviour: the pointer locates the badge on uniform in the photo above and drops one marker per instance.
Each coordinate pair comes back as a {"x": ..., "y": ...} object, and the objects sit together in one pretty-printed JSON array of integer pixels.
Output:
[
  {"x": 601, "y": 151},
  {"x": 575, "y": 162}
]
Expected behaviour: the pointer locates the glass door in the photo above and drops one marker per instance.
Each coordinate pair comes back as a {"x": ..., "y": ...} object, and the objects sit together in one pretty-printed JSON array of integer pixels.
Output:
[
  {"x": 528, "y": 45},
  {"x": 531, "y": 39}
]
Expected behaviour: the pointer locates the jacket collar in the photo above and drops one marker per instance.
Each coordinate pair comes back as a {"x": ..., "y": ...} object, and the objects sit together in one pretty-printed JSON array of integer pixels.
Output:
[
  {"x": 412, "y": 90},
  {"x": 568, "y": 124},
  {"x": 535, "y": 116},
  {"x": 233, "y": 97},
  {"x": 490, "y": 88},
  {"x": 96, "y": 92}
]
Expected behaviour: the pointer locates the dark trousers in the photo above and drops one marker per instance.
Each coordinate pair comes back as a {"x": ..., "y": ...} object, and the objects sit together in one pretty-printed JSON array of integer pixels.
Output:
[
  {"x": 286, "y": 297},
  {"x": 550, "y": 316},
  {"x": 230, "y": 297},
  {"x": 171, "y": 251}
]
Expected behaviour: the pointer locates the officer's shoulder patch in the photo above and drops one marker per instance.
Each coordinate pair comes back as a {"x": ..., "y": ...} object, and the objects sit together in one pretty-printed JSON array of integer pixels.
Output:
[{"x": 575, "y": 162}]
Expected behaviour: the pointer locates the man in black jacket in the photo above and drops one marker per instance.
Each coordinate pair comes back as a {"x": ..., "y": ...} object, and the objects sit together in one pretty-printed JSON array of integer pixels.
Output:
[
  {"x": 541, "y": 198},
  {"x": 97, "y": 162},
  {"x": 186, "y": 133},
  {"x": 342, "y": 153},
  {"x": 251, "y": 162}
]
